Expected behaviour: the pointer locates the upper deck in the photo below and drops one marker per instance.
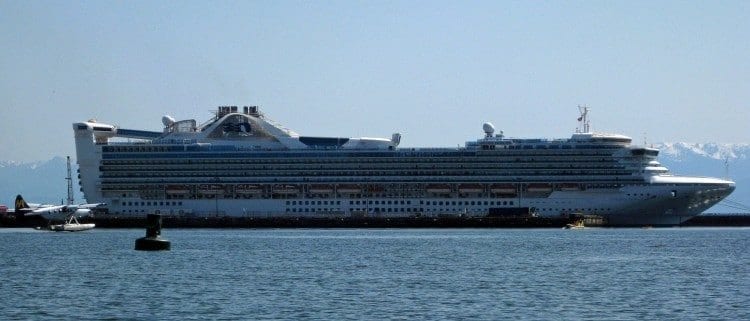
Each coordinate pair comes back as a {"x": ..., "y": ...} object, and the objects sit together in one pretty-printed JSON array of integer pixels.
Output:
[
  {"x": 246, "y": 129},
  {"x": 249, "y": 129}
]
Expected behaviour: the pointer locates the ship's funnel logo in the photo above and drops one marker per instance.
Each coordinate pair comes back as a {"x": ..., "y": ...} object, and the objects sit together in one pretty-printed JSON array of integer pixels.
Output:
[{"x": 237, "y": 128}]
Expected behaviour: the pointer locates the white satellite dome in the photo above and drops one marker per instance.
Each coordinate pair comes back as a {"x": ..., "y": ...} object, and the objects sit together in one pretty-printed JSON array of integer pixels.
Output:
[
  {"x": 167, "y": 120},
  {"x": 489, "y": 129}
]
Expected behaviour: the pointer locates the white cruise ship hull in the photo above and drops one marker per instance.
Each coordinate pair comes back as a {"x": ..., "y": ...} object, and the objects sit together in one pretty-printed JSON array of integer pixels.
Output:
[
  {"x": 630, "y": 206},
  {"x": 241, "y": 164}
]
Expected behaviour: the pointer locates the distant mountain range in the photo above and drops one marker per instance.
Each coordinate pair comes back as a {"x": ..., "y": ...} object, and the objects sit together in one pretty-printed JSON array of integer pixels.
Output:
[
  {"x": 44, "y": 181},
  {"x": 38, "y": 182}
]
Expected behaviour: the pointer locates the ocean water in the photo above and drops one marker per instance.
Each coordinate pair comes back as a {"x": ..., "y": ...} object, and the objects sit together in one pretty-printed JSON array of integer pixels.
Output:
[{"x": 378, "y": 274}]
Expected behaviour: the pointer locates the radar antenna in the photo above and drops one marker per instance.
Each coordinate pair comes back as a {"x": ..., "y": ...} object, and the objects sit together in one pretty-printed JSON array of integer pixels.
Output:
[{"x": 583, "y": 120}]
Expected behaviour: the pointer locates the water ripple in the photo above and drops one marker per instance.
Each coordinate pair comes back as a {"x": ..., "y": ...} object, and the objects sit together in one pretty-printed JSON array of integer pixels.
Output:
[{"x": 379, "y": 274}]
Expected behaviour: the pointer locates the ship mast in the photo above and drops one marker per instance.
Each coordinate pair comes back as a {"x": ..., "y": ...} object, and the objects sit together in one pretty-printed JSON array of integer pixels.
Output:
[
  {"x": 726, "y": 168},
  {"x": 69, "y": 178},
  {"x": 583, "y": 119}
]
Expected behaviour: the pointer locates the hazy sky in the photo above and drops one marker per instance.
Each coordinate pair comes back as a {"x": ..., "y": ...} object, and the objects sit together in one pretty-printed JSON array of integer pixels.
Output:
[{"x": 432, "y": 70}]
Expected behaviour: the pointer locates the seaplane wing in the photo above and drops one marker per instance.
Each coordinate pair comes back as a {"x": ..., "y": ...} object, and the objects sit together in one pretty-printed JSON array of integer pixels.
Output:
[
  {"x": 89, "y": 206},
  {"x": 59, "y": 212}
]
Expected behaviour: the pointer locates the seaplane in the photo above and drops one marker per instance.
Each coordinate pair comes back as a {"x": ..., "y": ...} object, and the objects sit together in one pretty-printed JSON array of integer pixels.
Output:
[{"x": 68, "y": 214}]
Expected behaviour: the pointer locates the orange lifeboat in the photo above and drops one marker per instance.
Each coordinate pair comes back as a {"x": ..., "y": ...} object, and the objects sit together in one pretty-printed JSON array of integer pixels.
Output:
[
  {"x": 539, "y": 188},
  {"x": 210, "y": 189},
  {"x": 248, "y": 189},
  {"x": 177, "y": 189},
  {"x": 320, "y": 189},
  {"x": 470, "y": 188},
  {"x": 375, "y": 188},
  {"x": 503, "y": 189},
  {"x": 438, "y": 188},
  {"x": 570, "y": 187},
  {"x": 349, "y": 189},
  {"x": 285, "y": 189}
]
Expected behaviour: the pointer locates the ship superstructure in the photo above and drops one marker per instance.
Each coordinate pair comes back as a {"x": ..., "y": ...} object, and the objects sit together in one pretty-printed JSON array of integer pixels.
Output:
[{"x": 241, "y": 163}]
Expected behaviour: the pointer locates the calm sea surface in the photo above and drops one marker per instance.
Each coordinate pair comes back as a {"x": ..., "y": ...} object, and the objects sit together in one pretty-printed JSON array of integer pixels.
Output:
[{"x": 374, "y": 274}]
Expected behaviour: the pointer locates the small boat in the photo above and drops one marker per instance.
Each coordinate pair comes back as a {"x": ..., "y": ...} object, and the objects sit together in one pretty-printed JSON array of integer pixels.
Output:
[{"x": 574, "y": 226}]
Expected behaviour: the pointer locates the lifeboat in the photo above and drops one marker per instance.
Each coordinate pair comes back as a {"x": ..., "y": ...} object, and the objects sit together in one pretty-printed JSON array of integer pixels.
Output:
[
  {"x": 285, "y": 189},
  {"x": 570, "y": 187},
  {"x": 177, "y": 189},
  {"x": 503, "y": 189},
  {"x": 438, "y": 188},
  {"x": 470, "y": 188},
  {"x": 248, "y": 189},
  {"x": 320, "y": 189},
  {"x": 539, "y": 188},
  {"x": 211, "y": 189},
  {"x": 375, "y": 188},
  {"x": 349, "y": 189}
]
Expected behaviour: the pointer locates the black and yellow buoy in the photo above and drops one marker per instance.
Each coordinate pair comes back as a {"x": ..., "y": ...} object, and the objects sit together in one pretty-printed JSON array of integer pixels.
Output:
[{"x": 152, "y": 241}]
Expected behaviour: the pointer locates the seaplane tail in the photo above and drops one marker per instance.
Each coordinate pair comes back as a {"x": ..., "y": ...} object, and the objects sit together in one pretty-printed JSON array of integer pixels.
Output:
[
  {"x": 22, "y": 207},
  {"x": 21, "y": 203}
]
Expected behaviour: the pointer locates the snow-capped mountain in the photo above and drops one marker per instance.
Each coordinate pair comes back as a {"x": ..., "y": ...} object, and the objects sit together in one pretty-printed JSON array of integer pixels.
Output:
[
  {"x": 685, "y": 151},
  {"x": 44, "y": 182}
]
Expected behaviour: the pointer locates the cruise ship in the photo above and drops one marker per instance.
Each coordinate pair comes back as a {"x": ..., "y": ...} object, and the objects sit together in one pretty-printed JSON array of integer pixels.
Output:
[{"x": 241, "y": 163}]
